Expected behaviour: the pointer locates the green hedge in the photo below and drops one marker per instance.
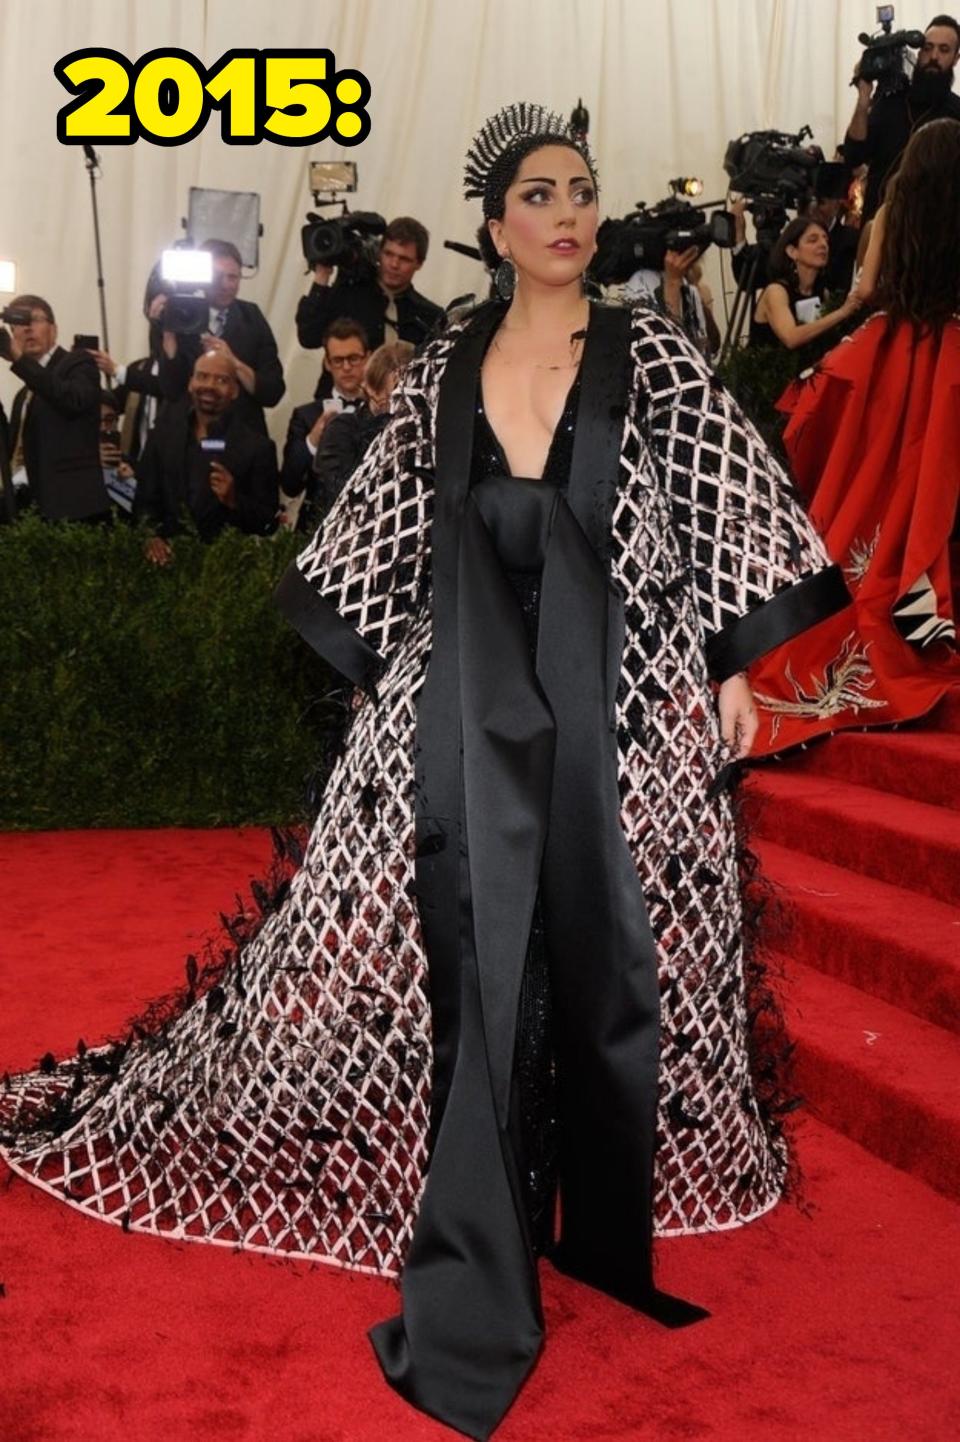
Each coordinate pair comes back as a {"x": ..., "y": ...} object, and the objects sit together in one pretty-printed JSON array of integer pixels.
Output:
[
  {"x": 758, "y": 376},
  {"x": 137, "y": 696}
]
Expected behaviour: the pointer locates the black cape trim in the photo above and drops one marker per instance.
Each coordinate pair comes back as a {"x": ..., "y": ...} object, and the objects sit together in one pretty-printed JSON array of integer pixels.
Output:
[
  {"x": 323, "y": 628},
  {"x": 785, "y": 615}
]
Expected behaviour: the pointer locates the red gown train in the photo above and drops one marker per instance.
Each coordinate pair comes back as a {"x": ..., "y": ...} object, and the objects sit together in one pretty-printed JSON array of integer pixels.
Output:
[{"x": 874, "y": 445}]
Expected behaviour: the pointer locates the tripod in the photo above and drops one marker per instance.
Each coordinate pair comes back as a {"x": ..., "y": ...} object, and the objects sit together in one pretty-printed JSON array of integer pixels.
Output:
[
  {"x": 92, "y": 164},
  {"x": 769, "y": 220}
]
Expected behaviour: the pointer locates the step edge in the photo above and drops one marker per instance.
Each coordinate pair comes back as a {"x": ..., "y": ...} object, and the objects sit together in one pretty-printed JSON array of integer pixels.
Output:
[{"x": 939, "y": 913}]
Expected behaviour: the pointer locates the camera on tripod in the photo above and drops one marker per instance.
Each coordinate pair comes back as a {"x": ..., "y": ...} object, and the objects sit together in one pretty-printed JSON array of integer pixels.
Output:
[
  {"x": 641, "y": 239},
  {"x": 348, "y": 240},
  {"x": 884, "y": 59},
  {"x": 775, "y": 171}
]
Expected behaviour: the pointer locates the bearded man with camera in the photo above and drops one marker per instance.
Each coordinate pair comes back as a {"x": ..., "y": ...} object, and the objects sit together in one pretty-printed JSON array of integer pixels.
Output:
[{"x": 886, "y": 117}]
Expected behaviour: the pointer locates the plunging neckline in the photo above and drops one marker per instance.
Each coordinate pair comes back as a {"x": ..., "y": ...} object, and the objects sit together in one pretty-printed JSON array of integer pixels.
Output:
[{"x": 571, "y": 395}]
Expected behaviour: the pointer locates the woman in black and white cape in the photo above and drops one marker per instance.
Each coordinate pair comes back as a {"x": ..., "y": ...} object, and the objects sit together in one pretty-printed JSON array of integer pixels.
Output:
[{"x": 514, "y": 946}]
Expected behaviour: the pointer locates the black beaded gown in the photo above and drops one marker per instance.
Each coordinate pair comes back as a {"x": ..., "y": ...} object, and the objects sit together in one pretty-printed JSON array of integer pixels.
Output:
[
  {"x": 546, "y": 1077},
  {"x": 517, "y": 512}
]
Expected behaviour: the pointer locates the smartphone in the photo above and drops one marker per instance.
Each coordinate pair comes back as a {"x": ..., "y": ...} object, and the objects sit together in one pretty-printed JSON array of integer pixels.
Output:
[
  {"x": 86, "y": 342},
  {"x": 332, "y": 404},
  {"x": 112, "y": 438}
]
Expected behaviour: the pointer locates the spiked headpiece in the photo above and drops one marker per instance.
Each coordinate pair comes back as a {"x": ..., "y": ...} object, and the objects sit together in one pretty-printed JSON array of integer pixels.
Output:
[{"x": 501, "y": 144}]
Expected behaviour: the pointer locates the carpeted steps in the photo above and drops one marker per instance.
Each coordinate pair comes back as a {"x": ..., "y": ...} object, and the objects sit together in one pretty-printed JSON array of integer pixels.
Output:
[
  {"x": 896, "y": 944},
  {"x": 879, "y": 1075},
  {"x": 922, "y": 766},
  {"x": 860, "y": 837},
  {"x": 912, "y": 844}
]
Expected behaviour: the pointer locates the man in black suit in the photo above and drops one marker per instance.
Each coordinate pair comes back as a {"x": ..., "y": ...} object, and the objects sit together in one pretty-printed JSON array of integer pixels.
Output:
[
  {"x": 238, "y": 330},
  {"x": 345, "y": 355},
  {"x": 203, "y": 458},
  {"x": 54, "y": 425},
  {"x": 386, "y": 304}
]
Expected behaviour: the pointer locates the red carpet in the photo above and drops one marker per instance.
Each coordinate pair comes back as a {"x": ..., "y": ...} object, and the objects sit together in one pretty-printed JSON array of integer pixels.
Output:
[{"x": 837, "y": 1322}]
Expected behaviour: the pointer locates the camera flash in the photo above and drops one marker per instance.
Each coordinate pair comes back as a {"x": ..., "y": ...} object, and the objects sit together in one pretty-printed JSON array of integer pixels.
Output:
[{"x": 190, "y": 267}]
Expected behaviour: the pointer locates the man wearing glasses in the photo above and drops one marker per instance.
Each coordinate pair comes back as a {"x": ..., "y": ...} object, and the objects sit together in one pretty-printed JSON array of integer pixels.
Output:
[
  {"x": 54, "y": 440},
  {"x": 340, "y": 389}
]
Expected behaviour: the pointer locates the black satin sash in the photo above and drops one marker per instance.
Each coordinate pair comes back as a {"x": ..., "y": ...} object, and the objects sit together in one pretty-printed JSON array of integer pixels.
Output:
[{"x": 517, "y": 790}]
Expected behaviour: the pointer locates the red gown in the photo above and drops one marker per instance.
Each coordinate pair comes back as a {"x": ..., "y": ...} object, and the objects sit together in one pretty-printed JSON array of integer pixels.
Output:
[{"x": 874, "y": 445}]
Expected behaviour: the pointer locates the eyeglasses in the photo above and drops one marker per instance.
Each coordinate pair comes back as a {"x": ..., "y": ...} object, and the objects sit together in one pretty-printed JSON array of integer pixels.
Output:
[{"x": 340, "y": 362}]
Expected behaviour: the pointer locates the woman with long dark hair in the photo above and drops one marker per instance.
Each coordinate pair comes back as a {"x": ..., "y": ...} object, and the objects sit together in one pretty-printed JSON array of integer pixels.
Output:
[
  {"x": 874, "y": 442},
  {"x": 788, "y": 311},
  {"x": 512, "y": 962}
]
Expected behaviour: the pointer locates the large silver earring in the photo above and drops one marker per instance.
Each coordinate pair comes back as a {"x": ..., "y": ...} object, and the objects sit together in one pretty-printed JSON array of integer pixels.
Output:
[{"x": 505, "y": 278}]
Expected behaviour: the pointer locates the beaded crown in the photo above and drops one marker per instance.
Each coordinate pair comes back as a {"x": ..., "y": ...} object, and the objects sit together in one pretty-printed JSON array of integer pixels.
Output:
[{"x": 499, "y": 146}]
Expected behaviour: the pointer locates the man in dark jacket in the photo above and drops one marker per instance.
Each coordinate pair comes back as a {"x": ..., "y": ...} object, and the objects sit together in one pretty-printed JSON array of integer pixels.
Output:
[
  {"x": 882, "y": 124},
  {"x": 386, "y": 305},
  {"x": 238, "y": 330},
  {"x": 345, "y": 355},
  {"x": 54, "y": 438},
  {"x": 202, "y": 457}
]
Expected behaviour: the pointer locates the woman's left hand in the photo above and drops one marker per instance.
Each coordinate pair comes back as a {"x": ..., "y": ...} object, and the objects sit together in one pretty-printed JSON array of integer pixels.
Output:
[{"x": 738, "y": 715}]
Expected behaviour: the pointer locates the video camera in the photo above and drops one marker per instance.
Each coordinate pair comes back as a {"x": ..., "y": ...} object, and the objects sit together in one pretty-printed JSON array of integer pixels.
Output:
[
  {"x": 13, "y": 315},
  {"x": 884, "y": 59},
  {"x": 347, "y": 241},
  {"x": 642, "y": 238},
  {"x": 775, "y": 167}
]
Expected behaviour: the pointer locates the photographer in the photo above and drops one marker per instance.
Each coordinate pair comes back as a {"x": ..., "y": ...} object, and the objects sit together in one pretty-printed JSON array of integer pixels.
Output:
[
  {"x": 237, "y": 330},
  {"x": 54, "y": 460},
  {"x": 385, "y": 304},
  {"x": 674, "y": 292},
  {"x": 203, "y": 457},
  {"x": 882, "y": 125},
  {"x": 788, "y": 311}
]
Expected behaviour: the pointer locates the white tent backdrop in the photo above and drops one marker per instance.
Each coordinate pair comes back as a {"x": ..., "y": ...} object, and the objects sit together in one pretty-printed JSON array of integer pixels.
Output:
[{"x": 667, "y": 83}]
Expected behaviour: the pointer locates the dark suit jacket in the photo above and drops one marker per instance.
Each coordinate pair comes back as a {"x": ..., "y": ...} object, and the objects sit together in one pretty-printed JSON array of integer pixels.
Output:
[
  {"x": 138, "y": 386},
  {"x": 250, "y": 458},
  {"x": 248, "y": 334},
  {"x": 365, "y": 303},
  {"x": 344, "y": 444},
  {"x": 61, "y": 441},
  {"x": 296, "y": 471}
]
